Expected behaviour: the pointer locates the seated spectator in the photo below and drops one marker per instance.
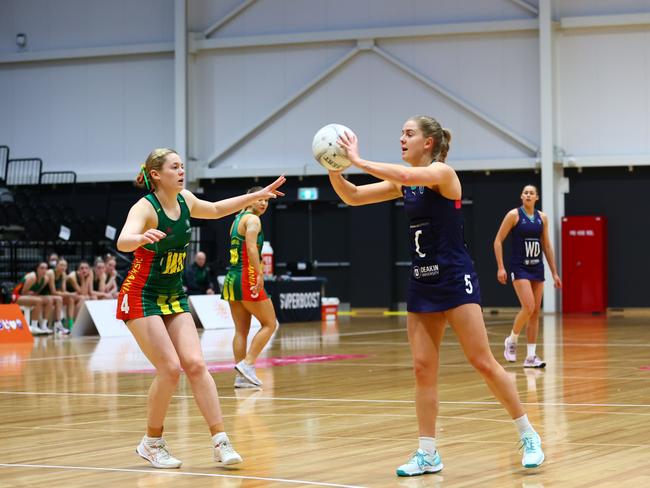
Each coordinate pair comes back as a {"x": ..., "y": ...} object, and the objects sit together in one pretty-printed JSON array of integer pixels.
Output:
[
  {"x": 48, "y": 292},
  {"x": 81, "y": 281},
  {"x": 52, "y": 260},
  {"x": 27, "y": 293},
  {"x": 197, "y": 277},
  {"x": 71, "y": 300},
  {"x": 113, "y": 279},
  {"x": 99, "y": 279}
]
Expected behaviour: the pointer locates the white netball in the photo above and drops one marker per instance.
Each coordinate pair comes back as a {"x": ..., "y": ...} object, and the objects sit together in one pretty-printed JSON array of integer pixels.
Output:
[{"x": 327, "y": 151}]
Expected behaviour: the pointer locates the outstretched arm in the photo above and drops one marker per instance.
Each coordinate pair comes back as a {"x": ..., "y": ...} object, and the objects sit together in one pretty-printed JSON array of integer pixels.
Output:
[
  {"x": 400, "y": 175},
  {"x": 547, "y": 246},
  {"x": 202, "y": 209}
]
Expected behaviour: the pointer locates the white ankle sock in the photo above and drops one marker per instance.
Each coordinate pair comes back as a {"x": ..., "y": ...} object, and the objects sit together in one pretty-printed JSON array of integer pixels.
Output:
[
  {"x": 531, "y": 349},
  {"x": 151, "y": 440},
  {"x": 523, "y": 424},
  {"x": 34, "y": 324},
  {"x": 513, "y": 337},
  {"x": 428, "y": 444},
  {"x": 219, "y": 437}
]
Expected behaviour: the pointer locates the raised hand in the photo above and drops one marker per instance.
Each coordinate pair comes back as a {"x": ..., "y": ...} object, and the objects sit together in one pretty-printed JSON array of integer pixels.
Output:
[
  {"x": 271, "y": 191},
  {"x": 350, "y": 143}
]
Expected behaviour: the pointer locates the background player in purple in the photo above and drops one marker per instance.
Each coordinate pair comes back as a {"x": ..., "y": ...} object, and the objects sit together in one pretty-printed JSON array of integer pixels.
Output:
[
  {"x": 443, "y": 286},
  {"x": 529, "y": 239}
]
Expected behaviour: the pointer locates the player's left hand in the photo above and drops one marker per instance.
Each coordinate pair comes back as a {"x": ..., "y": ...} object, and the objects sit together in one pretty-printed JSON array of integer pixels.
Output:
[
  {"x": 557, "y": 281},
  {"x": 350, "y": 143}
]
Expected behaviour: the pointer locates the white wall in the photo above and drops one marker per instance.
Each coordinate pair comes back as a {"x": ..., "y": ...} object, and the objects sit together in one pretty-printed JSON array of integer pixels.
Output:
[
  {"x": 234, "y": 89},
  {"x": 64, "y": 24},
  {"x": 604, "y": 92},
  {"x": 567, "y": 8},
  {"x": 78, "y": 99},
  {"x": 97, "y": 116}
]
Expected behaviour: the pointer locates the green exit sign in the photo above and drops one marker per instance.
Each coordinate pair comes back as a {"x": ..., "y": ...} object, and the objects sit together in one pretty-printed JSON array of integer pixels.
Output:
[{"x": 310, "y": 193}]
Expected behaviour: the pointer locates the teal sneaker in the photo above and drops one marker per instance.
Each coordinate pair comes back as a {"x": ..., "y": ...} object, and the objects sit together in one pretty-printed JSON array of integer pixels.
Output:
[
  {"x": 531, "y": 445},
  {"x": 421, "y": 462}
]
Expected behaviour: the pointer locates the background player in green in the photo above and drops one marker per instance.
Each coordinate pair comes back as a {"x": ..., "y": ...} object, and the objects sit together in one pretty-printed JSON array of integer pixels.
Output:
[
  {"x": 244, "y": 290},
  {"x": 154, "y": 306},
  {"x": 28, "y": 293},
  {"x": 56, "y": 278}
]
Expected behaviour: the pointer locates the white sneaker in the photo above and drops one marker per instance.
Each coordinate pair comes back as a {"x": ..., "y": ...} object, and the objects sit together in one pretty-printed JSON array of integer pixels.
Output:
[
  {"x": 248, "y": 372},
  {"x": 224, "y": 453},
  {"x": 510, "y": 350},
  {"x": 35, "y": 330},
  {"x": 531, "y": 445},
  {"x": 157, "y": 454},
  {"x": 241, "y": 382},
  {"x": 534, "y": 362},
  {"x": 421, "y": 462},
  {"x": 60, "y": 330},
  {"x": 45, "y": 329}
]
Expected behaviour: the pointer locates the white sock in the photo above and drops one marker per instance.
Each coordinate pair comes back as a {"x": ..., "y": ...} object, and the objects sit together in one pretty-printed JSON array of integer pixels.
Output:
[
  {"x": 43, "y": 323},
  {"x": 513, "y": 337},
  {"x": 219, "y": 437},
  {"x": 531, "y": 349},
  {"x": 428, "y": 444},
  {"x": 58, "y": 324},
  {"x": 34, "y": 324},
  {"x": 151, "y": 440},
  {"x": 523, "y": 424}
]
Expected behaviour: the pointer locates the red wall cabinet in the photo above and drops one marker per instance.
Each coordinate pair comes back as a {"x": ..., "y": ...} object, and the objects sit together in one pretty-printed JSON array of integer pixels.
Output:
[{"x": 584, "y": 264}]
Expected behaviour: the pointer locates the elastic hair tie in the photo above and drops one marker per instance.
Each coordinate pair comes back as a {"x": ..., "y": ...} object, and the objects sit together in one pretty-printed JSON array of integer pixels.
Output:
[{"x": 144, "y": 175}]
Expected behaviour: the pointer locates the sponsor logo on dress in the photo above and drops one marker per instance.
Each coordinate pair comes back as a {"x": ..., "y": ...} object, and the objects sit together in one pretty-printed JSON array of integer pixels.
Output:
[
  {"x": 173, "y": 262},
  {"x": 133, "y": 273},
  {"x": 427, "y": 271}
]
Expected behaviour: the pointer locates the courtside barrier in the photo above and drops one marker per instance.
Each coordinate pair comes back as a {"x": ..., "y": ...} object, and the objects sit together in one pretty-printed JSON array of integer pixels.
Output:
[
  {"x": 13, "y": 327},
  {"x": 98, "y": 316}
]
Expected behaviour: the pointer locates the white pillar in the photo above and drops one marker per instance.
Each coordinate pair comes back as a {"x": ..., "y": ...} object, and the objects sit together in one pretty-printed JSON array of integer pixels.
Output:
[
  {"x": 180, "y": 78},
  {"x": 549, "y": 179}
]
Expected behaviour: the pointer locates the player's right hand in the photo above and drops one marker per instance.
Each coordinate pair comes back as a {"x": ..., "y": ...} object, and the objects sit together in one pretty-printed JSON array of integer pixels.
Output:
[{"x": 271, "y": 191}]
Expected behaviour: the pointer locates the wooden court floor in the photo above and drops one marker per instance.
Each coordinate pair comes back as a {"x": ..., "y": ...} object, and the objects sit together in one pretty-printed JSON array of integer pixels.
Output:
[{"x": 336, "y": 410}]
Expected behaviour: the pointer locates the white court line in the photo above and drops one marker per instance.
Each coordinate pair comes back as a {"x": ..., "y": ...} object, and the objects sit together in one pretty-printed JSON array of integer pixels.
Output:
[
  {"x": 457, "y": 439},
  {"x": 333, "y": 400},
  {"x": 368, "y": 332},
  {"x": 176, "y": 473},
  {"x": 58, "y": 357}
]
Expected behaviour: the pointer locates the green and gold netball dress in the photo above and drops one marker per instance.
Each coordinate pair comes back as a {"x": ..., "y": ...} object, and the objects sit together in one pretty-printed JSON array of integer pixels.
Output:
[
  {"x": 37, "y": 287},
  {"x": 154, "y": 284},
  {"x": 241, "y": 275}
]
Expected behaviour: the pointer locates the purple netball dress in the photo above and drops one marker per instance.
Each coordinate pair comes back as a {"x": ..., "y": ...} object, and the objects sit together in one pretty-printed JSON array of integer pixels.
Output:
[
  {"x": 526, "y": 258},
  {"x": 442, "y": 273}
]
